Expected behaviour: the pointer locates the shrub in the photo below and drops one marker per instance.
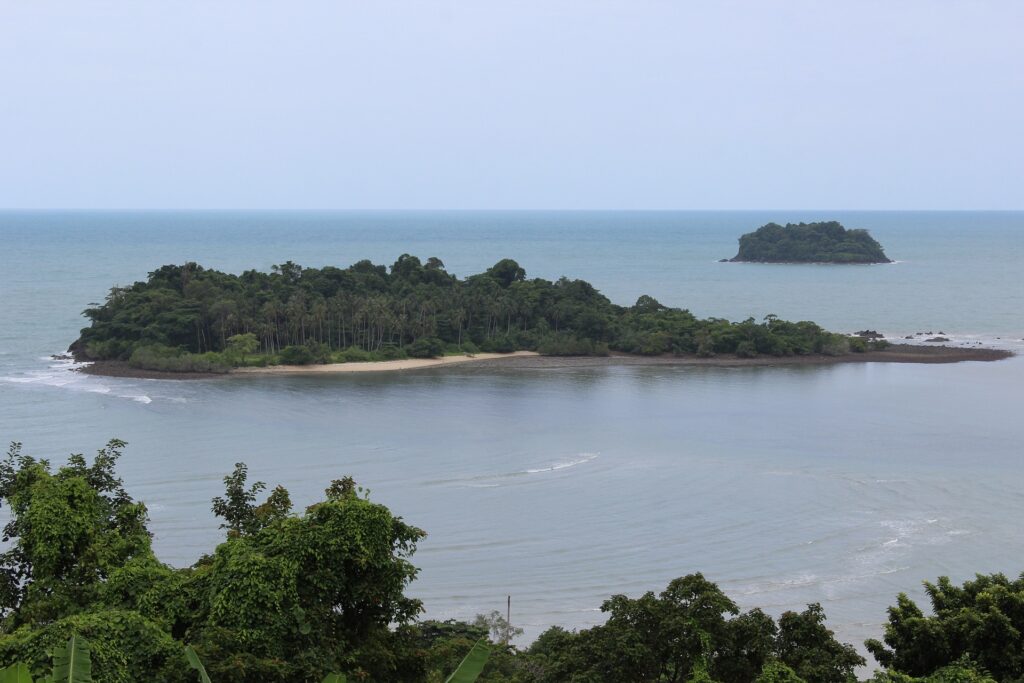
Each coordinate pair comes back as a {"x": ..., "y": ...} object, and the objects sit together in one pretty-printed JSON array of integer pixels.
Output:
[
  {"x": 354, "y": 354},
  {"x": 858, "y": 344},
  {"x": 746, "y": 349},
  {"x": 296, "y": 355},
  {"x": 166, "y": 359},
  {"x": 833, "y": 344},
  {"x": 109, "y": 349},
  {"x": 426, "y": 347},
  {"x": 561, "y": 344},
  {"x": 392, "y": 352},
  {"x": 502, "y": 344}
]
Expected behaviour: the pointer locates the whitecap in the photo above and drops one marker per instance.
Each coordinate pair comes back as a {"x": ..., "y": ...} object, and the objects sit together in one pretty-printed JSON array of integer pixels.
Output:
[
  {"x": 964, "y": 339},
  {"x": 587, "y": 457},
  {"x": 494, "y": 480}
]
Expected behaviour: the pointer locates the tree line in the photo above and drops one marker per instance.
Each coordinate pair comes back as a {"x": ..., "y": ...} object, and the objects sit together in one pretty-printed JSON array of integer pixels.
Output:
[
  {"x": 190, "y": 317},
  {"x": 303, "y": 595}
]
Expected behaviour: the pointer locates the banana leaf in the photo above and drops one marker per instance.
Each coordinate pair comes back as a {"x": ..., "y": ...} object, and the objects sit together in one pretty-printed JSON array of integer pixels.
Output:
[
  {"x": 196, "y": 663},
  {"x": 16, "y": 673},
  {"x": 473, "y": 664},
  {"x": 71, "y": 664}
]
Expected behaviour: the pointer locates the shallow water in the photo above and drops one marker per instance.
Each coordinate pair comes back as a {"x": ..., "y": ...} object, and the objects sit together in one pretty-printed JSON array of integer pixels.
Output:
[{"x": 839, "y": 484}]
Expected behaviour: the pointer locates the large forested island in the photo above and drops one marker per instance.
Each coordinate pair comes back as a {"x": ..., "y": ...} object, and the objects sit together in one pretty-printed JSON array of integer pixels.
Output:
[
  {"x": 188, "y": 318},
  {"x": 825, "y": 242}
]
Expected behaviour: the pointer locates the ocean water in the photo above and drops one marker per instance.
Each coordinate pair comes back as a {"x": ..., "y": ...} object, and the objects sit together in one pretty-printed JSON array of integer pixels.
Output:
[{"x": 842, "y": 485}]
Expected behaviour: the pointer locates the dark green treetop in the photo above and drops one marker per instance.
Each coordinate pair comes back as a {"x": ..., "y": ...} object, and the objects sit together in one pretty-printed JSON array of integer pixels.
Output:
[{"x": 982, "y": 620}]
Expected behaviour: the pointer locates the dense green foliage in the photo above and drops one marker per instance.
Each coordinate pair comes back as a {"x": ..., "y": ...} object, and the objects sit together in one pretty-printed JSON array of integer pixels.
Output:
[
  {"x": 188, "y": 318},
  {"x": 72, "y": 663},
  {"x": 693, "y": 630},
  {"x": 300, "y": 596},
  {"x": 826, "y": 242},
  {"x": 982, "y": 620},
  {"x": 286, "y": 597}
]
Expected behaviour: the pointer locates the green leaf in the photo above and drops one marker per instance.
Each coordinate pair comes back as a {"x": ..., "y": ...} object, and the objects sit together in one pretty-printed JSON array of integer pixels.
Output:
[
  {"x": 473, "y": 664},
  {"x": 334, "y": 678},
  {"x": 196, "y": 663},
  {"x": 72, "y": 664},
  {"x": 16, "y": 673}
]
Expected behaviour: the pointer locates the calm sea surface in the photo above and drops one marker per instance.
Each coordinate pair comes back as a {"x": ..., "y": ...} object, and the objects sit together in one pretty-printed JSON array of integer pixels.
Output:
[{"x": 843, "y": 485}]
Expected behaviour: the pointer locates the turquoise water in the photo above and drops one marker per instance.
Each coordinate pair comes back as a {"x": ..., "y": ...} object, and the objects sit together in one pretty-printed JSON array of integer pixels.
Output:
[{"x": 843, "y": 484}]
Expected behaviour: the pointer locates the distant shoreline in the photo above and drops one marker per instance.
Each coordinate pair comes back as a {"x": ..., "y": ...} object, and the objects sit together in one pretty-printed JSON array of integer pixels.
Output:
[{"x": 896, "y": 353}]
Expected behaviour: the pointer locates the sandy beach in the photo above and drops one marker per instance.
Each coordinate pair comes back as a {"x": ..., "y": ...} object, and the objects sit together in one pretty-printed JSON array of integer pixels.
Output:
[{"x": 380, "y": 366}]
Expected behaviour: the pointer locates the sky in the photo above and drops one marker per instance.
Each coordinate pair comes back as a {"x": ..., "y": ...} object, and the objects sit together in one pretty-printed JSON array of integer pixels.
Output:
[{"x": 478, "y": 104}]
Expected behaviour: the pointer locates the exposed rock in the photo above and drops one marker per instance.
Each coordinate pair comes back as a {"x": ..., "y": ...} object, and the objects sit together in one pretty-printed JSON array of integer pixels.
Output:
[
  {"x": 937, "y": 339},
  {"x": 870, "y": 334}
]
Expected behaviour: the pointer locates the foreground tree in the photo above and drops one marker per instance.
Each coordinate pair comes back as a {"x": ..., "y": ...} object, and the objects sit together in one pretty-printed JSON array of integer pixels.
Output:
[
  {"x": 980, "y": 623},
  {"x": 287, "y": 597},
  {"x": 71, "y": 531},
  {"x": 693, "y": 631}
]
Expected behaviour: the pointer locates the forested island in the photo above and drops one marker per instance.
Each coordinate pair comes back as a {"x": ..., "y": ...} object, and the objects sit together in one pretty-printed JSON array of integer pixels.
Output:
[
  {"x": 824, "y": 242},
  {"x": 186, "y": 318},
  {"x": 320, "y": 595}
]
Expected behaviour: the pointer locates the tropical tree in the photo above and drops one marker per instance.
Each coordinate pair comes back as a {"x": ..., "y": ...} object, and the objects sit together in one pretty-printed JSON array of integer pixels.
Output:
[{"x": 982, "y": 620}]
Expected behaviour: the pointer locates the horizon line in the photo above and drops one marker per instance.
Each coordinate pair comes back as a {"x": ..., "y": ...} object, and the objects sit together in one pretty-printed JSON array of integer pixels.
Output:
[{"x": 484, "y": 210}]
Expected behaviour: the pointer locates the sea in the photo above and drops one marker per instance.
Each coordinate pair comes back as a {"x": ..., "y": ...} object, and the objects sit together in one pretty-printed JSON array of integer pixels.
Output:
[{"x": 842, "y": 485}]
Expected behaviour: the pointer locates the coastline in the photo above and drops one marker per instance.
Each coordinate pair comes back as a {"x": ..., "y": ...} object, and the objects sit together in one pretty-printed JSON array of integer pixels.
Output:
[{"x": 896, "y": 353}]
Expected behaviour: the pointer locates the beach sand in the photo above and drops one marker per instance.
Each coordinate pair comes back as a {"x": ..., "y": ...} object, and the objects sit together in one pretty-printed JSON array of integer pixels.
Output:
[{"x": 380, "y": 366}]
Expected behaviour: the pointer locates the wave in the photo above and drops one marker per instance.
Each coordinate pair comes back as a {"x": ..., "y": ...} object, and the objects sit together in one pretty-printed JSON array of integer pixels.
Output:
[
  {"x": 586, "y": 457},
  {"x": 496, "y": 480},
  {"x": 61, "y": 373},
  {"x": 963, "y": 340}
]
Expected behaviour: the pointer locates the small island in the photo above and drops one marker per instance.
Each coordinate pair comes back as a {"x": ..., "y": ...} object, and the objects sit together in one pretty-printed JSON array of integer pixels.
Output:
[
  {"x": 824, "y": 242},
  {"x": 189, "y": 321}
]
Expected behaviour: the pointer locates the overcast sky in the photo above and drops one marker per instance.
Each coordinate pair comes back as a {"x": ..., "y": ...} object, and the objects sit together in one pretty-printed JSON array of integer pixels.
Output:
[{"x": 632, "y": 104}]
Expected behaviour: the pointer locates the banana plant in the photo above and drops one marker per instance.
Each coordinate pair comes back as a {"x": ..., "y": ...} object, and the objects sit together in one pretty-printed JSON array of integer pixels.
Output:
[{"x": 71, "y": 664}]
